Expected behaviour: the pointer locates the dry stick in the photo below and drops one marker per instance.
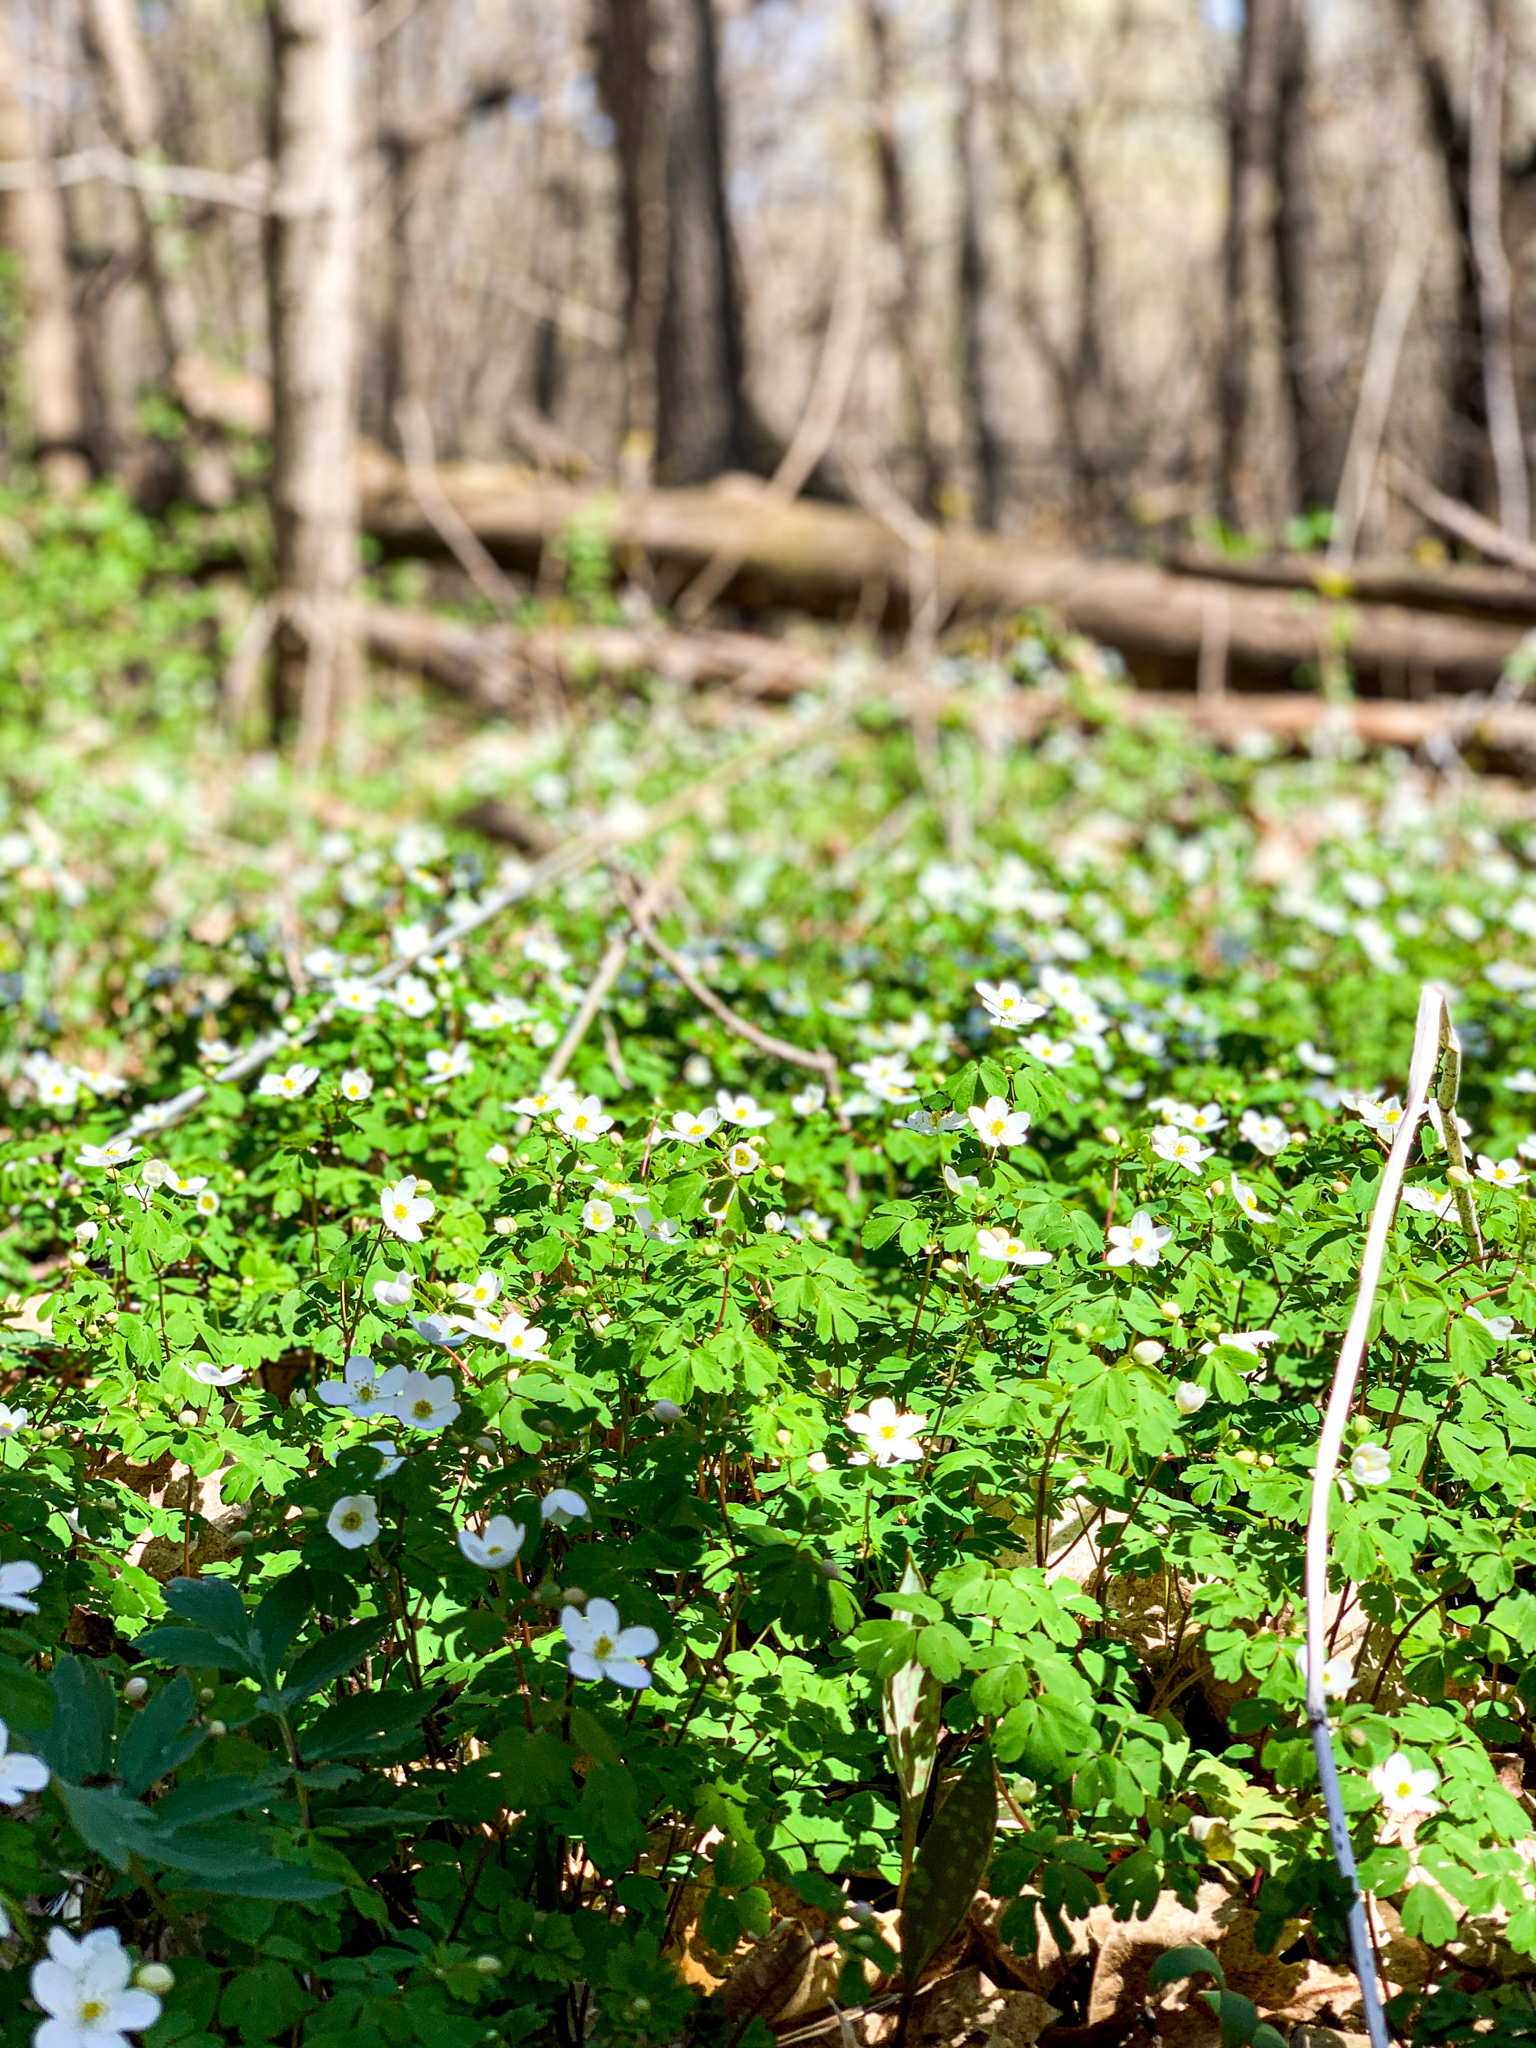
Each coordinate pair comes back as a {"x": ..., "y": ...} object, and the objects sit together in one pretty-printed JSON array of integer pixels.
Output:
[
  {"x": 812, "y": 437},
  {"x": 608, "y": 971},
  {"x": 1450, "y": 1132},
  {"x": 823, "y": 1063},
  {"x": 573, "y": 855},
  {"x": 1430, "y": 1035},
  {"x": 1450, "y": 514},
  {"x": 1394, "y": 310},
  {"x": 250, "y": 194},
  {"x": 473, "y": 556}
]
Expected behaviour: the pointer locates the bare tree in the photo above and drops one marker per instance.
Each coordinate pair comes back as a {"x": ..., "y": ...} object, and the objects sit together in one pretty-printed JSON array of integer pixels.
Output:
[
  {"x": 919, "y": 374},
  {"x": 980, "y": 66},
  {"x": 657, "y": 72},
  {"x": 120, "y": 55},
  {"x": 1485, "y": 197},
  {"x": 1318, "y": 425},
  {"x": 1247, "y": 490},
  {"x": 312, "y": 291},
  {"x": 33, "y": 225}
]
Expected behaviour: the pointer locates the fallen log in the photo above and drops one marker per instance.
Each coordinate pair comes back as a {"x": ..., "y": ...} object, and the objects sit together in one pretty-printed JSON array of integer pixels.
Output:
[
  {"x": 834, "y": 561},
  {"x": 1471, "y": 588},
  {"x": 494, "y": 665}
]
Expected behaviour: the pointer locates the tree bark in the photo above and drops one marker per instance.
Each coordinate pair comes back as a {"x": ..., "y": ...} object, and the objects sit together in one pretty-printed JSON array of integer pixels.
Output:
[
  {"x": 980, "y": 66},
  {"x": 1464, "y": 463},
  {"x": 923, "y": 403},
  {"x": 685, "y": 412},
  {"x": 1485, "y": 193},
  {"x": 33, "y": 226},
  {"x": 1247, "y": 492},
  {"x": 1318, "y": 427},
  {"x": 824, "y": 557},
  {"x": 312, "y": 287},
  {"x": 119, "y": 51}
]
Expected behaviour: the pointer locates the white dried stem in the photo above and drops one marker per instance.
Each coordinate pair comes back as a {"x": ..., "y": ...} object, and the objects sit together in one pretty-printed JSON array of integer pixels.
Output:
[{"x": 1432, "y": 1033}]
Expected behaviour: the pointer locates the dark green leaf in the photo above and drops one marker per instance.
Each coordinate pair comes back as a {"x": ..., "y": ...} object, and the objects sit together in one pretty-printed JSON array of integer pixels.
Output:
[{"x": 951, "y": 1861}]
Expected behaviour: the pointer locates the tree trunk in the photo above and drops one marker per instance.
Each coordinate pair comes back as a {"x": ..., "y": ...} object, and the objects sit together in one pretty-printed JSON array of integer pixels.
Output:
[
  {"x": 980, "y": 64},
  {"x": 1318, "y": 428},
  {"x": 1247, "y": 492},
  {"x": 683, "y": 354},
  {"x": 119, "y": 51},
  {"x": 33, "y": 227},
  {"x": 312, "y": 287},
  {"x": 1485, "y": 194},
  {"x": 922, "y": 398},
  {"x": 1464, "y": 463}
]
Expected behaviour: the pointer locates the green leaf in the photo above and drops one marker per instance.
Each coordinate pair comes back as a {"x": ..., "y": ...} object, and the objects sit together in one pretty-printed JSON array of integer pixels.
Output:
[
  {"x": 78, "y": 1744},
  {"x": 1238, "y": 2017},
  {"x": 234, "y": 1863},
  {"x": 114, "y": 1827},
  {"x": 211, "y": 1604},
  {"x": 330, "y": 1658},
  {"x": 263, "y": 2002},
  {"x": 158, "y": 1738},
  {"x": 1174, "y": 1963},
  {"x": 281, "y": 1614},
  {"x": 363, "y": 1724},
  {"x": 951, "y": 1861},
  {"x": 1427, "y": 1917},
  {"x": 193, "y": 1647}
]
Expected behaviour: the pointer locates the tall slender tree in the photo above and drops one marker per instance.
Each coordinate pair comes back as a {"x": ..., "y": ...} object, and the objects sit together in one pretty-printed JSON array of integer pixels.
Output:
[
  {"x": 980, "y": 67},
  {"x": 312, "y": 287},
  {"x": 33, "y": 227},
  {"x": 657, "y": 73}
]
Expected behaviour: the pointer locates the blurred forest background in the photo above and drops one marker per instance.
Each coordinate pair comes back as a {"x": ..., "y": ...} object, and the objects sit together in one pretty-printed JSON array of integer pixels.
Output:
[{"x": 1091, "y": 273}]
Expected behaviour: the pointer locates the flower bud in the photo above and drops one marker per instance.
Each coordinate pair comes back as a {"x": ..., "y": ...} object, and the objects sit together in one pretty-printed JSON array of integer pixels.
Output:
[
  {"x": 1189, "y": 1398},
  {"x": 488, "y": 1966},
  {"x": 156, "y": 1978},
  {"x": 217, "y": 1728},
  {"x": 135, "y": 1689},
  {"x": 1458, "y": 1176},
  {"x": 241, "y": 1539},
  {"x": 574, "y": 1596},
  {"x": 666, "y": 1411},
  {"x": 1110, "y": 1135},
  {"x": 206, "y": 1695},
  {"x": 188, "y": 1417},
  {"x": 1148, "y": 1351},
  {"x": 504, "y": 1225}
]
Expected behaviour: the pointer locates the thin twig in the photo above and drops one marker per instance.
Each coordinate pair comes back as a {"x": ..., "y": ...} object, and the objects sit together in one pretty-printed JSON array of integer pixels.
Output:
[
  {"x": 471, "y": 553},
  {"x": 572, "y": 856},
  {"x": 823, "y": 1063}
]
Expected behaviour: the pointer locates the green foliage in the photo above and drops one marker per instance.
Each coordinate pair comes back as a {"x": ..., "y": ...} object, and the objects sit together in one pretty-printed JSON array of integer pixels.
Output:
[{"x": 941, "y": 1552}]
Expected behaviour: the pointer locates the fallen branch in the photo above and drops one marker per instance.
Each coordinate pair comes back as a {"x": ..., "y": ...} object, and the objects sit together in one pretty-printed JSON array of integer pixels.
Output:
[
  {"x": 823, "y": 1063},
  {"x": 571, "y": 856},
  {"x": 825, "y": 558},
  {"x": 1484, "y": 534}
]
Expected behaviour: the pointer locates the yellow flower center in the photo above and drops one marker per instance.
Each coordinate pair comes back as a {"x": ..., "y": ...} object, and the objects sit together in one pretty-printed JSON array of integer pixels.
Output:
[
  {"x": 422, "y": 1409},
  {"x": 92, "y": 2008},
  {"x": 887, "y": 1430},
  {"x": 400, "y": 1209},
  {"x": 602, "y": 1649},
  {"x": 1404, "y": 1789},
  {"x": 351, "y": 1520}
]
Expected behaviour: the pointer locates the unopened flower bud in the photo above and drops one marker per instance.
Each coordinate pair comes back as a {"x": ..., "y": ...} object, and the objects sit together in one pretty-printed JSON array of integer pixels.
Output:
[
  {"x": 155, "y": 1977},
  {"x": 1148, "y": 1351},
  {"x": 188, "y": 1417},
  {"x": 217, "y": 1728},
  {"x": 574, "y": 1596},
  {"x": 488, "y": 1966},
  {"x": 1458, "y": 1176},
  {"x": 206, "y": 1695},
  {"x": 135, "y": 1690},
  {"x": 666, "y": 1411}
]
